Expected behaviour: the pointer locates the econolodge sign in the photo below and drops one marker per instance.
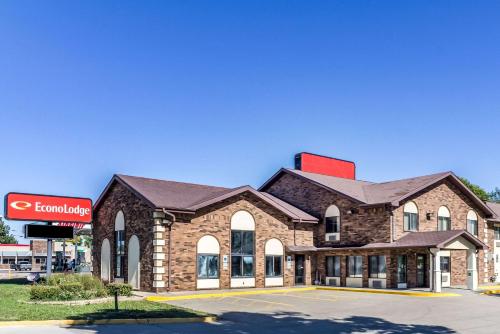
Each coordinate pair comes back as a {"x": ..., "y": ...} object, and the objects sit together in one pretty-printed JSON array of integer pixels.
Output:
[{"x": 48, "y": 208}]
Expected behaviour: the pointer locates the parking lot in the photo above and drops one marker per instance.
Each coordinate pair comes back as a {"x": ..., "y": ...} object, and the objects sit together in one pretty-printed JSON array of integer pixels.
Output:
[{"x": 323, "y": 312}]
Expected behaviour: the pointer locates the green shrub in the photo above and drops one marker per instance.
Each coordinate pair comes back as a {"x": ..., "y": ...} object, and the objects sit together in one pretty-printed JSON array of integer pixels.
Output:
[
  {"x": 122, "y": 289},
  {"x": 44, "y": 292},
  {"x": 72, "y": 287},
  {"x": 68, "y": 287}
]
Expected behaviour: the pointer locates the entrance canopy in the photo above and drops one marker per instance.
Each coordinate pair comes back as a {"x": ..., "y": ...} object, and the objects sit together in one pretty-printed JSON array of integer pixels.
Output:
[{"x": 454, "y": 239}]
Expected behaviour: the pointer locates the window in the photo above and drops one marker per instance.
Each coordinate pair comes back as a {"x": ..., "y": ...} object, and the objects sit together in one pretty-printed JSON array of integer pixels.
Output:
[
  {"x": 332, "y": 219},
  {"x": 444, "y": 220},
  {"x": 355, "y": 266},
  {"x": 445, "y": 264},
  {"x": 410, "y": 217},
  {"x": 402, "y": 260},
  {"x": 377, "y": 267},
  {"x": 472, "y": 223},
  {"x": 333, "y": 266},
  {"x": 242, "y": 253},
  {"x": 274, "y": 265},
  {"x": 120, "y": 252},
  {"x": 119, "y": 244},
  {"x": 208, "y": 266},
  {"x": 497, "y": 232}
]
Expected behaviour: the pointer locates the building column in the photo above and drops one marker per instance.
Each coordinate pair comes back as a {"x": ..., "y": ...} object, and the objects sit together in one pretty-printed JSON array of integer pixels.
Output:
[
  {"x": 436, "y": 286},
  {"x": 472, "y": 281},
  {"x": 158, "y": 251},
  {"x": 431, "y": 268}
]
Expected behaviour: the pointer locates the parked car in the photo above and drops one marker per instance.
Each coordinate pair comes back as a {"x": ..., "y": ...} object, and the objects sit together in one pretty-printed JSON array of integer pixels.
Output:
[{"x": 23, "y": 265}]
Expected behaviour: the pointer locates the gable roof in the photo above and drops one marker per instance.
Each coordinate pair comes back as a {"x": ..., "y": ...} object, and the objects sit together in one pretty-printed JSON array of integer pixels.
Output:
[
  {"x": 189, "y": 197},
  {"x": 437, "y": 239},
  {"x": 370, "y": 193}
]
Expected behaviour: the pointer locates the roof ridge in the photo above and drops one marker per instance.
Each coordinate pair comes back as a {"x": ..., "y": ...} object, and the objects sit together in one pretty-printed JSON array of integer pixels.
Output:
[
  {"x": 171, "y": 181},
  {"x": 412, "y": 178}
]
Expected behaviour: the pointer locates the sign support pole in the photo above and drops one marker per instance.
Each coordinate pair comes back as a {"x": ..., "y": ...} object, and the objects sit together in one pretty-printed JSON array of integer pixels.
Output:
[{"x": 48, "y": 262}]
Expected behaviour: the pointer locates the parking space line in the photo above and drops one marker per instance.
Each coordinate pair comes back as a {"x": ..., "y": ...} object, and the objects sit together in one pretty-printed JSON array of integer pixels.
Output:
[{"x": 260, "y": 301}]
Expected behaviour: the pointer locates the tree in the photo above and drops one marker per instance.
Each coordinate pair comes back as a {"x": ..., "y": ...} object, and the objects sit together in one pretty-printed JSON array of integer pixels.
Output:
[
  {"x": 495, "y": 195},
  {"x": 5, "y": 236},
  {"x": 480, "y": 192}
]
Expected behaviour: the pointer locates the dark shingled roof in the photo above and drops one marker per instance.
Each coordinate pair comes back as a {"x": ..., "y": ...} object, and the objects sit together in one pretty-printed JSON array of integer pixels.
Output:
[
  {"x": 495, "y": 207},
  {"x": 189, "y": 197},
  {"x": 370, "y": 193},
  {"x": 429, "y": 239}
]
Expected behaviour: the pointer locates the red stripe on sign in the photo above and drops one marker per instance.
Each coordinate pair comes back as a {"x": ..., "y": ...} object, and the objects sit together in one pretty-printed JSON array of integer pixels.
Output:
[{"x": 48, "y": 208}]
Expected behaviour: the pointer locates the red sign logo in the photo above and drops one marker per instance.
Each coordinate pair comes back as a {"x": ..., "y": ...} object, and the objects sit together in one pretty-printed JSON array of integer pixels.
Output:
[{"x": 48, "y": 208}]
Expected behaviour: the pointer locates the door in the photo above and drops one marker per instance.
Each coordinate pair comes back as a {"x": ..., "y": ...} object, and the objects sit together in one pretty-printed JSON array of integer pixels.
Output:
[
  {"x": 445, "y": 271},
  {"x": 421, "y": 271},
  {"x": 300, "y": 261}
]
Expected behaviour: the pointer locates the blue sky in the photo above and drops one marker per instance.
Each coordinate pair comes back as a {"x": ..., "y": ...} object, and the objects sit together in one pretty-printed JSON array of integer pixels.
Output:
[{"x": 226, "y": 92}]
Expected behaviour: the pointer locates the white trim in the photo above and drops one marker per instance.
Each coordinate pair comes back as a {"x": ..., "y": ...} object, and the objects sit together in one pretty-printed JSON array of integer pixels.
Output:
[
  {"x": 119, "y": 221},
  {"x": 274, "y": 247},
  {"x": 443, "y": 211},
  {"x": 248, "y": 282},
  {"x": 208, "y": 244},
  {"x": 410, "y": 207},
  {"x": 212, "y": 283},
  {"x": 274, "y": 281},
  {"x": 242, "y": 220}
]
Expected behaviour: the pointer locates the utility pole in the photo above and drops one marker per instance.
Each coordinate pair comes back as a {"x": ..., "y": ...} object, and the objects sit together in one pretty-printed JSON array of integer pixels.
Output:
[{"x": 48, "y": 262}]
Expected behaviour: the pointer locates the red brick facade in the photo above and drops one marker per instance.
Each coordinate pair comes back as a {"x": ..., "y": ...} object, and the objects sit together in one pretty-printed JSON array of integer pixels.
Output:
[{"x": 360, "y": 225}]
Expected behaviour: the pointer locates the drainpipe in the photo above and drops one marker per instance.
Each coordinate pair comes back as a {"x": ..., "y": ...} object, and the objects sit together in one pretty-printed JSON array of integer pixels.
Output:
[{"x": 169, "y": 224}]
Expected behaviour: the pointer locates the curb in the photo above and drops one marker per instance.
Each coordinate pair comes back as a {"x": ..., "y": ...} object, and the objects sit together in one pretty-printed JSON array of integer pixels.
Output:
[{"x": 141, "y": 321}]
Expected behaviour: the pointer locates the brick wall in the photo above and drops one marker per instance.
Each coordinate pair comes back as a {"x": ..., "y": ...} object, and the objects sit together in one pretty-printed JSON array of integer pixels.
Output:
[
  {"x": 447, "y": 194},
  {"x": 138, "y": 221},
  {"x": 368, "y": 225},
  {"x": 215, "y": 221}
]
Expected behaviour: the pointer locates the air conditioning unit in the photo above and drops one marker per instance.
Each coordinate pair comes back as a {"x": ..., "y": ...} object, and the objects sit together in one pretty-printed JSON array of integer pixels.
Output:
[
  {"x": 377, "y": 284},
  {"x": 332, "y": 237},
  {"x": 444, "y": 279},
  {"x": 333, "y": 281},
  {"x": 497, "y": 244}
]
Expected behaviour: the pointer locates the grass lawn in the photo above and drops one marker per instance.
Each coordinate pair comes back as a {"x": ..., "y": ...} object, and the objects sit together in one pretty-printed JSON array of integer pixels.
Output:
[{"x": 14, "y": 292}]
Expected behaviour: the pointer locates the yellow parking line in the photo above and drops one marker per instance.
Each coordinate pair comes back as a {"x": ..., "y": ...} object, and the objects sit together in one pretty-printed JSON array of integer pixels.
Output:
[
  {"x": 260, "y": 301},
  {"x": 392, "y": 292},
  {"x": 224, "y": 294}
]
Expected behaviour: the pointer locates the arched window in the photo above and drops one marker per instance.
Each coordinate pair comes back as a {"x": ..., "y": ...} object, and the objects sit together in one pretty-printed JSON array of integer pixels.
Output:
[
  {"x": 119, "y": 244},
  {"x": 242, "y": 245},
  {"x": 472, "y": 222},
  {"x": 208, "y": 257},
  {"x": 332, "y": 221},
  {"x": 444, "y": 219},
  {"x": 410, "y": 217},
  {"x": 274, "y": 258}
]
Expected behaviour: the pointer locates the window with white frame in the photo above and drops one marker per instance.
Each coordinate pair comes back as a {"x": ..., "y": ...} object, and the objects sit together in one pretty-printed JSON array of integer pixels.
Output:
[
  {"x": 332, "y": 266},
  {"x": 274, "y": 258},
  {"x": 444, "y": 219},
  {"x": 355, "y": 266},
  {"x": 497, "y": 232},
  {"x": 242, "y": 245},
  {"x": 332, "y": 219},
  {"x": 208, "y": 257},
  {"x": 377, "y": 267},
  {"x": 410, "y": 217},
  {"x": 472, "y": 223}
]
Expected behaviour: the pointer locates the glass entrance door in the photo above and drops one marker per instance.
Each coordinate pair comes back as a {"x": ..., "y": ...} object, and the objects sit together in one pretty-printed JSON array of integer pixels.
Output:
[
  {"x": 421, "y": 271},
  {"x": 299, "y": 269}
]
